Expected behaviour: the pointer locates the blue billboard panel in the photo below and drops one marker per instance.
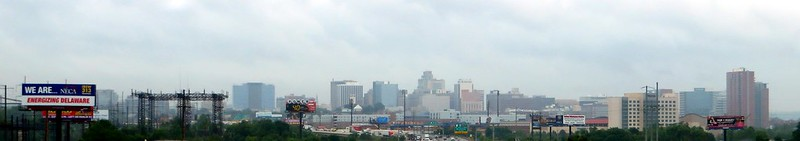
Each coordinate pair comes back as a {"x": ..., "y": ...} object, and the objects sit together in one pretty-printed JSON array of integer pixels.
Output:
[
  {"x": 59, "y": 89},
  {"x": 382, "y": 120}
]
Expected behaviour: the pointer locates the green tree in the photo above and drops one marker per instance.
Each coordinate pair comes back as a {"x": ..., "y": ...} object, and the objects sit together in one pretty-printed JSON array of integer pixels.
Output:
[
  {"x": 102, "y": 130},
  {"x": 750, "y": 133},
  {"x": 796, "y": 133}
]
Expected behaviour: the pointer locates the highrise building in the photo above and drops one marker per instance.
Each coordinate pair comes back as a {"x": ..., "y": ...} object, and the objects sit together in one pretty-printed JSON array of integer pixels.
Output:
[
  {"x": 254, "y": 96},
  {"x": 430, "y": 85},
  {"x": 435, "y": 102},
  {"x": 106, "y": 99},
  {"x": 720, "y": 104},
  {"x": 472, "y": 102},
  {"x": 386, "y": 93},
  {"x": 369, "y": 98},
  {"x": 743, "y": 99},
  {"x": 517, "y": 100},
  {"x": 335, "y": 96},
  {"x": 699, "y": 101},
  {"x": 643, "y": 111},
  {"x": 761, "y": 117},
  {"x": 427, "y": 84},
  {"x": 618, "y": 112},
  {"x": 469, "y": 99},
  {"x": 343, "y": 92}
]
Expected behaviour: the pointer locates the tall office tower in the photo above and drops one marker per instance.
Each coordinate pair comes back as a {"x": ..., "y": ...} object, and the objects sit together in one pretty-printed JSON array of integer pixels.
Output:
[
  {"x": 720, "y": 104},
  {"x": 386, "y": 93},
  {"x": 699, "y": 102},
  {"x": 470, "y": 100},
  {"x": 427, "y": 84},
  {"x": 618, "y": 112},
  {"x": 743, "y": 99},
  {"x": 464, "y": 86},
  {"x": 342, "y": 92},
  {"x": 643, "y": 113},
  {"x": 761, "y": 116},
  {"x": 336, "y": 99},
  {"x": 369, "y": 98},
  {"x": 106, "y": 99},
  {"x": 435, "y": 102},
  {"x": 254, "y": 96},
  {"x": 517, "y": 100}
]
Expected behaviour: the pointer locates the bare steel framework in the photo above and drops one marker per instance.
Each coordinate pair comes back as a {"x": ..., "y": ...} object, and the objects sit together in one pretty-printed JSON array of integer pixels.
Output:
[{"x": 147, "y": 101}]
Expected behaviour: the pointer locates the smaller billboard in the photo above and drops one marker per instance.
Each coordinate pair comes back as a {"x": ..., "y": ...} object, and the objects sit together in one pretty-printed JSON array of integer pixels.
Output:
[
  {"x": 382, "y": 120},
  {"x": 68, "y": 115},
  {"x": 574, "y": 119},
  {"x": 725, "y": 122},
  {"x": 537, "y": 121},
  {"x": 100, "y": 115},
  {"x": 559, "y": 120}
]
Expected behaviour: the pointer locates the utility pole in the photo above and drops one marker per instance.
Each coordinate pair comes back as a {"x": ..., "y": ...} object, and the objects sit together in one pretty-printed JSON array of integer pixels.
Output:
[
  {"x": 497, "y": 107},
  {"x": 5, "y": 106},
  {"x": 404, "y": 106}
]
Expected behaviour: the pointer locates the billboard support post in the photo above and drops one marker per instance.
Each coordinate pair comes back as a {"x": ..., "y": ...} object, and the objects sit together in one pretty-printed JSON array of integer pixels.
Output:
[
  {"x": 570, "y": 130},
  {"x": 724, "y": 134},
  {"x": 301, "y": 125},
  {"x": 68, "y": 129},
  {"x": 58, "y": 126}
]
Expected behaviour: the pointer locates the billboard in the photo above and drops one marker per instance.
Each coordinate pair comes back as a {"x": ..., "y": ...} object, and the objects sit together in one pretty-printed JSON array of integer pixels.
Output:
[
  {"x": 301, "y": 105},
  {"x": 382, "y": 120},
  {"x": 537, "y": 121},
  {"x": 100, "y": 115},
  {"x": 725, "y": 122},
  {"x": 70, "y": 115},
  {"x": 79, "y": 95},
  {"x": 559, "y": 120},
  {"x": 574, "y": 120}
]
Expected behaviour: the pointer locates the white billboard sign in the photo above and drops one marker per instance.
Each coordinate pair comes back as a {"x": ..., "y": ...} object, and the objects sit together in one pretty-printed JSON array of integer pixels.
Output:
[
  {"x": 100, "y": 115},
  {"x": 574, "y": 119}
]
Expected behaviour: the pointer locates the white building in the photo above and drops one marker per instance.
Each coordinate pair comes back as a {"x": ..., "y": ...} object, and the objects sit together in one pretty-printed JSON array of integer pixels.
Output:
[
  {"x": 342, "y": 92},
  {"x": 668, "y": 113},
  {"x": 445, "y": 114},
  {"x": 435, "y": 102}
]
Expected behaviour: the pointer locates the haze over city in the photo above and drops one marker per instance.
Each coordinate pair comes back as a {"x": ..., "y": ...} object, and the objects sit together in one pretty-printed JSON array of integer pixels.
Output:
[{"x": 562, "y": 49}]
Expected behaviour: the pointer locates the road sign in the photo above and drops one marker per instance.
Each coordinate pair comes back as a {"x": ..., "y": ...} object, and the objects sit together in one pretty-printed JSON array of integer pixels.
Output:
[{"x": 461, "y": 129}]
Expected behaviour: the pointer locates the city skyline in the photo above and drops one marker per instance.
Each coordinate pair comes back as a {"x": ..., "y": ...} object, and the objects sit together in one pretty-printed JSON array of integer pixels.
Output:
[{"x": 562, "y": 49}]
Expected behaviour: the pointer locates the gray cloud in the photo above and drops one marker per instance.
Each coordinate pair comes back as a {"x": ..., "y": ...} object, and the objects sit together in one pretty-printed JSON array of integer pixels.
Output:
[{"x": 558, "y": 48}]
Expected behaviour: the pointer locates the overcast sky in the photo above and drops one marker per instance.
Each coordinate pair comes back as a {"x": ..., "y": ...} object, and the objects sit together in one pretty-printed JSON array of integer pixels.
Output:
[{"x": 559, "y": 48}]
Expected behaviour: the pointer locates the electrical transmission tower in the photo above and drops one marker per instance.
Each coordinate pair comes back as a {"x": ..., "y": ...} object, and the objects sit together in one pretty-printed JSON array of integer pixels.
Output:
[{"x": 146, "y": 112}]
